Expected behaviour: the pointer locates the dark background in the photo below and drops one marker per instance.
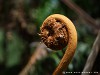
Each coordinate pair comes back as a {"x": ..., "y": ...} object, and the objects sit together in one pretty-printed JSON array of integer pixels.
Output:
[{"x": 20, "y": 21}]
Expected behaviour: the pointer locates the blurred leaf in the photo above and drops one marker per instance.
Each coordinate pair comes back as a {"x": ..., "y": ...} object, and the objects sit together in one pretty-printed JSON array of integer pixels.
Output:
[
  {"x": 44, "y": 10},
  {"x": 1, "y": 45},
  {"x": 55, "y": 57},
  {"x": 15, "y": 47},
  {"x": 82, "y": 47}
]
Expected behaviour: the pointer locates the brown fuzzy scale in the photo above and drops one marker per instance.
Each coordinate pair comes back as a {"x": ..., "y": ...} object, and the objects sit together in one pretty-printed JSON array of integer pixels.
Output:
[{"x": 54, "y": 34}]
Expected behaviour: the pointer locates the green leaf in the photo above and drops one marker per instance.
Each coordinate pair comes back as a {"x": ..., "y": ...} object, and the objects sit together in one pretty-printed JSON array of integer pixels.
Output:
[
  {"x": 1, "y": 45},
  {"x": 15, "y": 47},
  {"x": 44, "y": 10}
]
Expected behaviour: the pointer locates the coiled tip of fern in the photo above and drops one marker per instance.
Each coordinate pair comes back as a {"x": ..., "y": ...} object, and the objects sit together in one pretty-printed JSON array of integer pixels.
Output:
[{"x": 54, "y": 33}]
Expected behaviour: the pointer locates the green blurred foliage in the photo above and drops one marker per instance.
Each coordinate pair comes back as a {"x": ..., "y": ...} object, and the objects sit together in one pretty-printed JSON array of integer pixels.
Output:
[
  {"x": 1, "y": 45},
  {"x": 15, "y": 48}
]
